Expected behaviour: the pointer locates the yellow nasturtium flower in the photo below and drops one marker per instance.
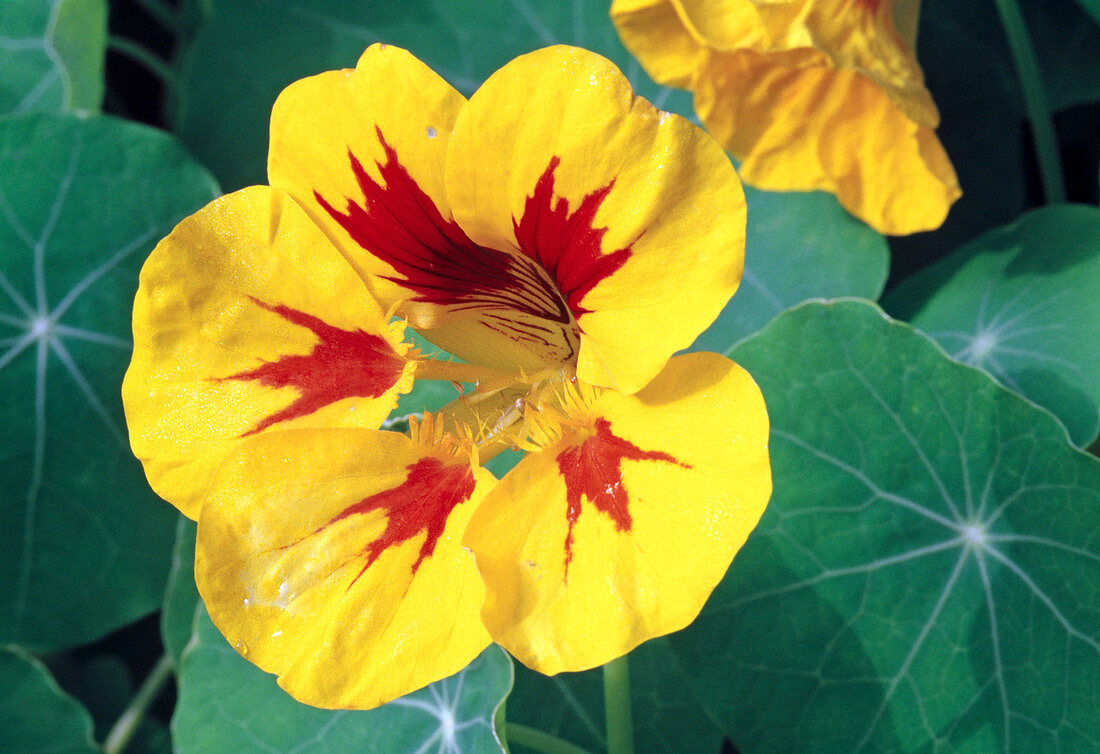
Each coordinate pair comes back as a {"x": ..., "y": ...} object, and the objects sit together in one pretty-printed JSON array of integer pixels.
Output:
[
  {"x": 564, "y": 239},
  {"x": 808, "y": 94}
]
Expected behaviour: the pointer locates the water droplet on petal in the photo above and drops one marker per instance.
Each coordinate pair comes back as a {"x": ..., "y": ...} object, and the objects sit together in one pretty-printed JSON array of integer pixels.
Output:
[{"x": 431, "y": 132}]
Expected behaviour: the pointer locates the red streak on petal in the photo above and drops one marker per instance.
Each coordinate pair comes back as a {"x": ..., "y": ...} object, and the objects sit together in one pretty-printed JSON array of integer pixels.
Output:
[
  {"x": 401, "y": 225},
  {"x": 343, "y": 364},
  {"x": 422, "y": 503},
  {"x": 567, "y": 246},
  {"x": 594, "y": 469}
]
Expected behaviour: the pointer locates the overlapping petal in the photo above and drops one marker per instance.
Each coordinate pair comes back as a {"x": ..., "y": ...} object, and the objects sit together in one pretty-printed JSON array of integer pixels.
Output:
[
  {"x": 332, "y": 558},
  {"x": 809, "y": 94},
  {"x": 618, "y": 532},
  {"x": 246, "y": 321},
  {"x": 625, "y": 206}
]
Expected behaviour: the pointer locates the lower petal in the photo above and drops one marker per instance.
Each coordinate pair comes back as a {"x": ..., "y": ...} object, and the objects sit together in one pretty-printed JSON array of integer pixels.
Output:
[
  {"x": 617, "y": 533},
  {"x": 332, "y": 558}
]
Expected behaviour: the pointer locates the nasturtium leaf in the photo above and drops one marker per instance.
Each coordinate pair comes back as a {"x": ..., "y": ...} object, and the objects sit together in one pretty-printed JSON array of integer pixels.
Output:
[
  {"x": 667, "y": 717},
  {"x": 226, "y": 704},
  {"x": 51, "y": 54},
  {"x": 1023, "y": 303},
  {"x": 1092, "y": 7},
  {"x": 266, "y": 46},
  {"x": 84, "y": 544},
  {"x": 798, "y": 246},
  {"x": 927, "y": 574},
  {"x": 37, "y": 717},
  {"x": 1067, "y": 45},
  {"x": 177, "y": 614}
]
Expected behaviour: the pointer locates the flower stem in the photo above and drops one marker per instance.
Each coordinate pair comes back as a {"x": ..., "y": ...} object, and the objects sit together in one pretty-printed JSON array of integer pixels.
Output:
[
  {"x": 1035, "y": 99},
  {"x": 133, "y": 50},
  {"x": 132, "y": 716},
  {"x": 616, "y": 699},
  {"x": 539, "y": 741}
]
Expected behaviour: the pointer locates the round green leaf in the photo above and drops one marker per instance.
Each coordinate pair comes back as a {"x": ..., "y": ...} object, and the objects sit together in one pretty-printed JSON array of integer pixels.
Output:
[
  {"x": 84, "y": 544},
  {"x": 927, "y": 574},
  {"x": 248, "y": 51},
  {"x": 798, "y": 246},
  {"x": 226, "y": 704},
  {"x": 1023, "y": 303},
  {"x": 51, "y": 53},
  {"x": 37, "y": 717}
]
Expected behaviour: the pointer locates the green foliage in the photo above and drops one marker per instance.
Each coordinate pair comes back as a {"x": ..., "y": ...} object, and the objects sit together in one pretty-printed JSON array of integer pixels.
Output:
[
  {"x": 925, "y": 578},
  {"x": 1023, "y": 303},
  {"x": 51, "y": 53},
  {"x": 84, "y": 544},
  {"x": 226, "y": 703},
  {"x": 926, "y": 575},
  {"x": 36, "y": 716},
  {"x": 835, "y": 254}
]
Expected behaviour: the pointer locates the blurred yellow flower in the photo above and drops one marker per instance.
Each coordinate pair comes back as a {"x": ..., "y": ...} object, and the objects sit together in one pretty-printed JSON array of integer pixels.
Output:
[
  {"x": 808, "y": 94},
  {"x": 564, "y": 239}
]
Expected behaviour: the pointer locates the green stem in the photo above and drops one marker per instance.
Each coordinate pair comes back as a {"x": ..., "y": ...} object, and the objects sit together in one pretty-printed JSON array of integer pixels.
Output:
[
  {"x": 616, "y": 699},
  {"x": 1035, "y": 99},
  {"x": 135, "y": 51},
  {"x": 132, "y": 716},
  {"x": 539, "y": 741}
]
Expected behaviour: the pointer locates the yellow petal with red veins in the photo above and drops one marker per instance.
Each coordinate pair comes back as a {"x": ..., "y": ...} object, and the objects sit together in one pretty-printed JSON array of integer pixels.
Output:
[
  {"x": 618, "y": 532},
  {"x": 332, "y": 558},
  {"x": 635, "y": 214},
  {"x": 246, "y": 321},
  {"x": 819, "y": 128},
  {"x": 363, "y": 152}
]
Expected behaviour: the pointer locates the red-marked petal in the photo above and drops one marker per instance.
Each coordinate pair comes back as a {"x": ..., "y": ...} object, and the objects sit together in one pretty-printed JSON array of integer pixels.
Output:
[
  {"x": 651, "y": 494},
  {"x": 335, "y": 558},
  {"x": 343, "y": 364}
]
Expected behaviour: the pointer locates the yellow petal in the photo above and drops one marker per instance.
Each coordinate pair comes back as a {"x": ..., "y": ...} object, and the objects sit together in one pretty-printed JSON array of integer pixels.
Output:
[
  {"x": 617, "y": 533},
  {"x": 655, "y": 33},
  {"x": 247, "y": 320},
  {"x": 803, "y": 128},
  {"x": 808, "y": 94},
  {"x": 362, "y": 151},
  {"x": 636, "y": 214},
  {"x": 332, "y": 558}
]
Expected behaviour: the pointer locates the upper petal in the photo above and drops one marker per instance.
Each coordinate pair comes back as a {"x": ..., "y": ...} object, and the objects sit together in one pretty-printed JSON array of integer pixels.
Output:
[
  {"x": 332, "y": 558},
  {"x": 247, "y": 320},
  {"x": 618, "y": 532},
  {"x": 636, "y": 215},
  {"x": 362, "y": 151}
]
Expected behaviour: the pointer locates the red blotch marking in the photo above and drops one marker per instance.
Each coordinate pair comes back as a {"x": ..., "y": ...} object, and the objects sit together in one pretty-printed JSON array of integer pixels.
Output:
[
  {"x": 568, "y": 246},
  {"x": 594, "y": 469},
  {"x": 343, "y": 364},
  {"x": 422, "y": 503},
  {"x": 400, "y": 224},
  {"x": 433, "y": 257}
]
